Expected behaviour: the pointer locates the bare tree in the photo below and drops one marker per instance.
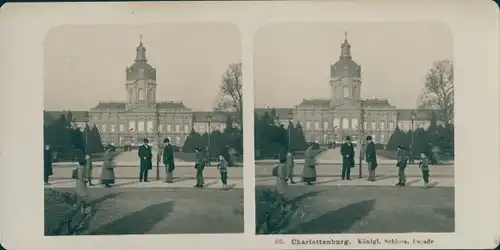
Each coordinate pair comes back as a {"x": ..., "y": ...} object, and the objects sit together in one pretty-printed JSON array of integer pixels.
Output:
[
  {"x": 438, "y": 93},
  {"x": 230, "y": 97}
]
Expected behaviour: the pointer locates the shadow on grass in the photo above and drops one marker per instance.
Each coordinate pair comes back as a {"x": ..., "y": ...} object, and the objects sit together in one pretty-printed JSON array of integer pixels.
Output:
[
  {"x": 139, "y": 222},
  {"x": 104, "y": 198},
  {"x": 338, "y": 221},
  {"x": 302, "y": 197}
]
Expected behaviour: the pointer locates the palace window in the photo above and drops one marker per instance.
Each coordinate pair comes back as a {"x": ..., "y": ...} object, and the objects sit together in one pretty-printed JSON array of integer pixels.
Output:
[
  {"x": 142, "y": 94},
  {"x": 325, "y": 125},
  {"x": 131, "y": 125},
  {"x": 365, "y": 125},
  {"x": 103, "y": 127},
  {"x": 122, "y": 127},
  {"x": 336, "y": 122},
  {"x": 140, "y": 126},
  {"x": 186, "y": 128},
  {"x": 201, "y": 128},
  {"x": 391, "y": 125},
  {"x": 354, "y": 123},
  {"x": 346, "y": 92},
  {"x": 169, "y": 128},
  {"x": 345, "y": 123},
  {"x": 316, "y": 125},
  {"x": 374, "y": 125},
  {"x": 113, "y": 128},
  {"x": 382, "y": 126},
  {"x": 149, "y": 125},
  {"x": 160, "y": 127},
  {"x": 177, "y": 128}
]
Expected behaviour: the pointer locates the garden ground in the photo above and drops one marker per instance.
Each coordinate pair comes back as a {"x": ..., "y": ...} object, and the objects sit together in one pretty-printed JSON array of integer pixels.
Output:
[
  {"x": 356, "y": 209},
  {"x": 164, "y": 211}
]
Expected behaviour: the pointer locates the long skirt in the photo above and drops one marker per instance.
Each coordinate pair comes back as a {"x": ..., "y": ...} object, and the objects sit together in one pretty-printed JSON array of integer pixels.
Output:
[
  {"x": 107, "y": 176},
  {"x": 309, "y": 174}
]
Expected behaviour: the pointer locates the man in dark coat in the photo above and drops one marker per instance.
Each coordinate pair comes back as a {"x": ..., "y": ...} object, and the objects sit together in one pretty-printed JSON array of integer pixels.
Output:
[
  {"x": 168, "y": 160},
  {"x": 47, "y": 164},
  {"x": 402, "y": 160},
  {"x": 371, "y": 158},
  {"x": 199, "y": 165},
  {"x": 146, "y": 161},
  {"x": 347, "y": 152}
]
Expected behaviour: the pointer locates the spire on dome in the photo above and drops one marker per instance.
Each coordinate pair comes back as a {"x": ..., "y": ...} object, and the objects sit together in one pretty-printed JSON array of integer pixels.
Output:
[
  {"x": 345, "y": 48},
  {"x": 141, "y": 51}
]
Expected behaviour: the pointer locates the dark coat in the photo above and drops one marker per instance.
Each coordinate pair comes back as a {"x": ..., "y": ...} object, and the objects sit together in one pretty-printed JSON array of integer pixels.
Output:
[
  {"x": 146, "y": 157},
  {"x": 47, "y": 162},
  {"x": 309, "y": 170},
  {"x": 168, "y": 157},
  {"x": 402, "y": 159},
  {"x": 347, "y": 152},
  {"x": 371, "y": 155},
  {"x": 107, "y": 171},
  {"x": 200, "y": 161}
]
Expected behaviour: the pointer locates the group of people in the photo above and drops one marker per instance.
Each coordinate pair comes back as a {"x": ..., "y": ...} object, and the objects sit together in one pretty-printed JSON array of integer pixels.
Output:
[
  {"x": 84, "y": 168},
  {"x": 284, "y": 170},
  {"x": 146, "y": 156}
]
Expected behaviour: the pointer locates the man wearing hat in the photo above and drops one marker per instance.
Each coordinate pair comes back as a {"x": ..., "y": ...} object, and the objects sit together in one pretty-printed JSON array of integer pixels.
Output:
[
  {"x": 146, "y": 160},
  {"x": 402, "y": 161},
  {"x": 168, "y": 160},
  {"x": 199, "y": 165},
  {"x": 371, "y": 158},
  {"x": 347, "y": 152}
]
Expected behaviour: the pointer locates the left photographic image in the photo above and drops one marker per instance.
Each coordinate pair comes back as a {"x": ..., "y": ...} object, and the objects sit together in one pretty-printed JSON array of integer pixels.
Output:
[{"x": 143, "y": 129}]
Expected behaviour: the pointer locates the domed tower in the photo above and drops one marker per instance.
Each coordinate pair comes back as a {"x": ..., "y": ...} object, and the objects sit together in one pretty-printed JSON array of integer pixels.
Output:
[
  {"x": 141, "y": 80},
  {"x": 345, "y": 77}
]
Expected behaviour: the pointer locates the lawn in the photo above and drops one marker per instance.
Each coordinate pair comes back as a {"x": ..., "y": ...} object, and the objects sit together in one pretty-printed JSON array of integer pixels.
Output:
[
  {"x": 330, "y": 210},
  {"x": 164, "y": 211}
]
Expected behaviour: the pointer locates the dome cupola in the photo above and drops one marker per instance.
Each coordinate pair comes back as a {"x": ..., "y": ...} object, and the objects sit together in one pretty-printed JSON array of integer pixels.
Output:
[
  {"x": 141, "y": 69},
  {"x": 345, "y": 66}
]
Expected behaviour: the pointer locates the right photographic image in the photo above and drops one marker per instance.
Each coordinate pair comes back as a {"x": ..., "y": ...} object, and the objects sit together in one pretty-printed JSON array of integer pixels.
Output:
[{"x": 354, "y": 128}]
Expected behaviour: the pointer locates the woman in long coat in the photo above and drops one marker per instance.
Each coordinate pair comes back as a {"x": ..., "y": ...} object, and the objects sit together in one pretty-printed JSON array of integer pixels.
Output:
[
  {"x": 282, "y": 176},
  {"x": 290, "y": 166},
  {"x": 309, "y": 171},
  {"x": 81, "y": 183},
  {"x": 89, "y": 167},
  {"x": 108, "y": 171}
]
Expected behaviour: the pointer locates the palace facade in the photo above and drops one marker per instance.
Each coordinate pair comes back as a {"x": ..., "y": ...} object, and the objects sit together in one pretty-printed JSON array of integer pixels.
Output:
[
  {"x": 345, "y": 113},
  {"x": 142, "y": 115}
]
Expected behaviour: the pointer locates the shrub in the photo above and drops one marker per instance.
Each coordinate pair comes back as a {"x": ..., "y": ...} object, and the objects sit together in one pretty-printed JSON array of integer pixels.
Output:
[
  {"x": 273, "y": 212},
  {"x": 62, "y": 214}
]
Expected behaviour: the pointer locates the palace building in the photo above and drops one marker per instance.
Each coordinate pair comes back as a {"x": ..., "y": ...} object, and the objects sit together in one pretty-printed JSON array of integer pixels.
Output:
[
  {"x": 142, "y": 115},
  {"x": 344, "y": 112}
]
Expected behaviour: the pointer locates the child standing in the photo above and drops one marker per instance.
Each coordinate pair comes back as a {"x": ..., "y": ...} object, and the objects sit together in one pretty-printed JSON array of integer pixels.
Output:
[
  {"x": 222, "y": 167},
  {"x": 424, "y": 166}
]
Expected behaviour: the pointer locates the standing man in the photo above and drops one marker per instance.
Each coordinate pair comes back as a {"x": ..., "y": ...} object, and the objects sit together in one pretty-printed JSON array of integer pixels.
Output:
[
  {"x": 347, "y": 152},
  {"x": 47, "y": 164},
  {"x": 199, "y": 165},
  {"x": 146, "y": 160},
  {"x": 371, "y": 158},
  {"x": 402, "y": 160},
  {"x": 168, "y": 160}
]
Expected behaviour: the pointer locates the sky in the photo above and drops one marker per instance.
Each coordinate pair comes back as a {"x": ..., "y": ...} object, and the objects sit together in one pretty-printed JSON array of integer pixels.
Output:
[
  {"x": 292, "y": 60},
  {"x": 86, "y": 64}
]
